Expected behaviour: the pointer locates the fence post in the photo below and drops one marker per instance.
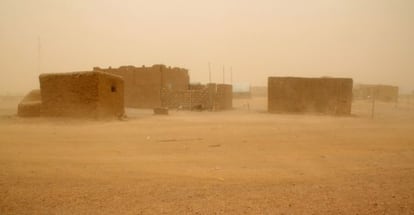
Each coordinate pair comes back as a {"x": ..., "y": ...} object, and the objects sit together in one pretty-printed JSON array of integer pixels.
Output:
[{"x": 374, "y": 95}]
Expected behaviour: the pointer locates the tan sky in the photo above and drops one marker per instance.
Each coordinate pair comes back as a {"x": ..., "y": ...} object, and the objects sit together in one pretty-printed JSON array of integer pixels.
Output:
[{"x": 371, "y": 41}]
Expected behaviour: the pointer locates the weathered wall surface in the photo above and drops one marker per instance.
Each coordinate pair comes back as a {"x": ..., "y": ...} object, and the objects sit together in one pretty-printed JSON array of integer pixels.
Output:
[
  {"x": 111, "y": 95},
  {"x": 173, "y": 78},
  {"x": 206, "y": 97},
  {"x": 224, "y": 97},
  {"x": 186, "y": 99},
  {"x": 322, "y": 95},
  {"x": 30, "y": 104},
  {"x": 143, "y": 85},
  {"x": 81, "y": 94},
  {"x": 385, "y": 93}
]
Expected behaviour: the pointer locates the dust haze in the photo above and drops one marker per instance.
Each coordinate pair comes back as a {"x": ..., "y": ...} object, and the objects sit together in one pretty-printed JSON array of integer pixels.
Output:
[
  {"x": 206, "y": 107},
  {"x": 370, "y": 41}
]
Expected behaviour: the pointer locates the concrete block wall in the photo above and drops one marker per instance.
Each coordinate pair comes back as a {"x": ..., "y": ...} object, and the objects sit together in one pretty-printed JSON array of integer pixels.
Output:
[
  {"x": 186, "y": 99},
  {"x": 206, "y": 97}
]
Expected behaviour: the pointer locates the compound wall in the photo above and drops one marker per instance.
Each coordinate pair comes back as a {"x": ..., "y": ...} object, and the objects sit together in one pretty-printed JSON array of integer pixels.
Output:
[
  {"x": 143, "y": 85},
  {"x": 321, "y": 95},
  {"x": 30, "y": 105},
  {"x": 201, "y": 97},
  {"x": 224, "y": 97}
]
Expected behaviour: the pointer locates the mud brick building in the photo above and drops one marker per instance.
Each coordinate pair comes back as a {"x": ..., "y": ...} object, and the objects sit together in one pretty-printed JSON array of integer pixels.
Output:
[
  {"x": 82, "y": 94},
  {"x": 143, "y": 85},
  {"x": 321, "y": 95},
  {"x": 385, "y": 93}
]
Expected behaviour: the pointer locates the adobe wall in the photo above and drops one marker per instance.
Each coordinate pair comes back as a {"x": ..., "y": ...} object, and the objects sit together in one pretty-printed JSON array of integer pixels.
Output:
[
  {"x": 385, "y": 93},
  {"x": 81, "y": 94},
  {"x": 30, "y": 104},
  {"x": 143, "y": 84},
  {"x": 173, "y": 78},
  {"x": 111, "y": 95},
  {"x": 224, "y": 97},
  {"x": 322, "y": 95}
]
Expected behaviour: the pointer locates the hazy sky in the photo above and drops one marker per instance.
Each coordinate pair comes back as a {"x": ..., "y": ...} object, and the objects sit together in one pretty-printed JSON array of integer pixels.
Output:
[{"x": 371, "y": 41}]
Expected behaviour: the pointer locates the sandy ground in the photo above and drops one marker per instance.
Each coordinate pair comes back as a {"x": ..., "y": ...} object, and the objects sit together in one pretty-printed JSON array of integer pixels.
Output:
[{"x": 234, "y": 162}]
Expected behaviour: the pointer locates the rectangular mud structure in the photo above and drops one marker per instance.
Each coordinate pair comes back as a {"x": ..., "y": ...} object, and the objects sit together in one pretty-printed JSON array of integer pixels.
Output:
[
  {"x": 385, "y": 93},
  {"x": 320, "y": 95},
  {"x": 143, "y": 85},
  {"x": 82, "y": 94}
]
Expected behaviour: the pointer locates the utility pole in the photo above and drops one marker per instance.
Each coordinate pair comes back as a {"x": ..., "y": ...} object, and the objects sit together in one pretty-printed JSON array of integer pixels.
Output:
[
  {"x": 39, "y": 57},
  {"x": 224, "y": 78},
  {"x": 374, "y": 95},
  {"x": 231, "y": 75},
  {"x": 209, "y": 72}
]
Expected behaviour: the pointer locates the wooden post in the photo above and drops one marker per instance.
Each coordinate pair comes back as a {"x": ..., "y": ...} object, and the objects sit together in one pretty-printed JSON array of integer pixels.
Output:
[
  {"x": 39, "y": 55},
  {"x": 231, "y": 75},
  {"x": 374, "y": 95}
]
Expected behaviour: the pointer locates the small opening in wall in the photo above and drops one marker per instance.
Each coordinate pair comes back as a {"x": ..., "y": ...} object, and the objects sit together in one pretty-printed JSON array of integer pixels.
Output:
[{"x": 113, "y": 88}]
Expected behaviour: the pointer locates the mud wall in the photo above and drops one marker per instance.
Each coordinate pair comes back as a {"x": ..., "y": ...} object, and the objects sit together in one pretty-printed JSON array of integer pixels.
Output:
[
  {"x": 81, "y": 94},
  {"x": 143, "y": 84},
  {"x": 322, "y": 95},
  {"x": 224, "y": 97},
  {"x": 30, "y": 105},
  {"x": 111, "y": 95}
]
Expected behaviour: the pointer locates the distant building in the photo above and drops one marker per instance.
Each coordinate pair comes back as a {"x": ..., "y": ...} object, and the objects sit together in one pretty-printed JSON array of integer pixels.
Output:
[
  {"x": 143, "y": 85},
  {"x": 385, "y": 93},
  {"x": 258, "y": 91},
  {"x": 321, "y": 95},
  {"x": 241, "y": 91},
  {"x": 161, "y": 86}
]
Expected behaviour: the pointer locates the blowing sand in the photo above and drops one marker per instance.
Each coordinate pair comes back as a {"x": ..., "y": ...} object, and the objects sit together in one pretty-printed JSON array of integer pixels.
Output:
[{"x": 233, "y": 162}]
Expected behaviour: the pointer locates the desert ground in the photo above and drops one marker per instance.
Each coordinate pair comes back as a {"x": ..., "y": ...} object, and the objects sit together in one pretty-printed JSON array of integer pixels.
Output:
[{"x": 243, "y": 161}]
